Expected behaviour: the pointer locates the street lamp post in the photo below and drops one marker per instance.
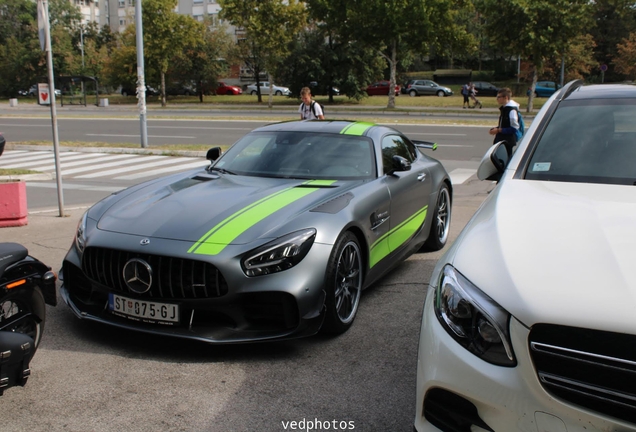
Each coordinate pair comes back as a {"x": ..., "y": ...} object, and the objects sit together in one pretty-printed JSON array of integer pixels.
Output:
[{"x": 141, "y": 84}]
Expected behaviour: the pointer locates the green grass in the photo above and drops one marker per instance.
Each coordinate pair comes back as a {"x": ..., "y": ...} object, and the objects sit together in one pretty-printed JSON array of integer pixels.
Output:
[
  {"x": 6, "y": 171},
  {"x": 246, "y": 100}
]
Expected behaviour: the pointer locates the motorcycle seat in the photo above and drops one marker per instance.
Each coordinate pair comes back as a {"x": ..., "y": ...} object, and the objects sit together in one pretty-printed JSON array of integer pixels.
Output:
[{"x": 11, "y": 253}]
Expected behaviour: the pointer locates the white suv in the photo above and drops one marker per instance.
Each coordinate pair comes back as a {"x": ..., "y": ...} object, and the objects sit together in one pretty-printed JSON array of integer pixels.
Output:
[{"x": 277, "y": 90}]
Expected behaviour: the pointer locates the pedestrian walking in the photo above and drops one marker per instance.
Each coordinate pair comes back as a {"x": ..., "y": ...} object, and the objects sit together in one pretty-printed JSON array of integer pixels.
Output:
[
  {"x": 309, "y": 109},
  {"x": 473, "y": 96},
  {"x": 466, "y": 94},
  {"x": 508, "y": 125}
]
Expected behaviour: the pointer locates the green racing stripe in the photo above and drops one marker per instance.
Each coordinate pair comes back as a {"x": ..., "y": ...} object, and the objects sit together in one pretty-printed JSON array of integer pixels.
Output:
[
  {"x": 215, "y": 240},
  {"x": 357, "y": 128},
  {"x": 395, "y": 238}
]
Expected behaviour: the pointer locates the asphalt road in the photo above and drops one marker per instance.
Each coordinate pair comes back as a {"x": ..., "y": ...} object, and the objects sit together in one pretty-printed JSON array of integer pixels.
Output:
[{"x": 457, "y": 142}]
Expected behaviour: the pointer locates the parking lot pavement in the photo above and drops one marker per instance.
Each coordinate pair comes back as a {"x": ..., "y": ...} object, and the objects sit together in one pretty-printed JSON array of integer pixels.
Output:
[{"x": 100, "y": 379}]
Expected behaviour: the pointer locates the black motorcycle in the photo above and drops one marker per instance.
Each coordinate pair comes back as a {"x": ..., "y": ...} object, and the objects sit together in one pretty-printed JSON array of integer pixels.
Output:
[{"x": 26, "y": 286}]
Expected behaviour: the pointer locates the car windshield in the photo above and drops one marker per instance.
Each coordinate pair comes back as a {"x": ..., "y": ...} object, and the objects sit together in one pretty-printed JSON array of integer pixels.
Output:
[
  {"x": 592, "y": 141},
  {"x": 300, "y": 155}
]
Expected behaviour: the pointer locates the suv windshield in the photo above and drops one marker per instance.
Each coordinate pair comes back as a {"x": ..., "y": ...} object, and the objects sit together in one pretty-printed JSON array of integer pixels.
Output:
[{"x": 592, "y": 141}]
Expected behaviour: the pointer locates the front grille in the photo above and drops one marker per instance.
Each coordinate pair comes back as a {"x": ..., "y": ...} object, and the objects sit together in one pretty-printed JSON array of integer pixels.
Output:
[
  {"x": 173, "y": 278},
  {"x": 591, "y": 368}
]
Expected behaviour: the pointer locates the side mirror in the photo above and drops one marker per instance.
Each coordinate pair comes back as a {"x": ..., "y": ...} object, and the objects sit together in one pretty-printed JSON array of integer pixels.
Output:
[
  {"x": 213, "y": 154},
  {"x": 399, "y": 164},
  {"x": 494, "y": 162}
]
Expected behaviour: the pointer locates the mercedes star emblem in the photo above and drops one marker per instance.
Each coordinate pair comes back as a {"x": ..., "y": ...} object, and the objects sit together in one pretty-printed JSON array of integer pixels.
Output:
[{"x": 138, "y": 275}]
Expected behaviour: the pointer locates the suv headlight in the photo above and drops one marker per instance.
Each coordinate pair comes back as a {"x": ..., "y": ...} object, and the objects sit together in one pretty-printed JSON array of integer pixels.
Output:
[
  {"x": 473, "y": 319},
  {"x": 280, "y": 254},
  {"x": 80, "y": 234}
]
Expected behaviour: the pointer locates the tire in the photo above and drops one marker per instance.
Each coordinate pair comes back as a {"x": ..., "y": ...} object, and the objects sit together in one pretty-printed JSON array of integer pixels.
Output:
[
  {"x": 229, "y": 93},
  {"x": 186, "y": 93},
  {"x": 441, "y": 93},
  {"x": 343, "y": 285},
  {"x": 412, "y": 93},
  {"x": 20, "y": 302},
  {"x": 253, "y": 92},
  {"x": 536, "y": 95},
  {"x": 278, "y": 93},
  {"x": 440, "y": 226},
  {"x": 124, "y": 93}
]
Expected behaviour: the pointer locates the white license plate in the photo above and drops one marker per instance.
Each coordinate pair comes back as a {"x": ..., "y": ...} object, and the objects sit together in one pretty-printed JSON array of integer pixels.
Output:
[{"x": 144, "y": 311}]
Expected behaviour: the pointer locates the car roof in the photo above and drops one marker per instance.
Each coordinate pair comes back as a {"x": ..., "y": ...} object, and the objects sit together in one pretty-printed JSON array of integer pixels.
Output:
[
  {"x": 603, "y": 91},
  {"x": 325, "y": 126}
]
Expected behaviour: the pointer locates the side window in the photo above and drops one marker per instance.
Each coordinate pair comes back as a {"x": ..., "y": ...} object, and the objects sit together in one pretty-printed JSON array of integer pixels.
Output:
[{"x": 395, "y": 145}]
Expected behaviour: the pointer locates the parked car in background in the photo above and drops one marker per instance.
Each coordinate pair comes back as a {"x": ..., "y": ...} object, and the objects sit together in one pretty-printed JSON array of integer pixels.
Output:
[
  {"x": 225, "y": 89},
  {"x": 277, "y": 90},
  {"x": 528, "y": 322},
  {"x": 181, "y": 89},
  {"x": 132, "y": 91},
  {"x": 381, "y": 88},
  {"x": 544, "y": 89},
  {"x": 485, "y": 88},
  {"x": 317, "y": 89},
  {"x": 426, "y": 88},
  {"x": 306, "y": 215}
]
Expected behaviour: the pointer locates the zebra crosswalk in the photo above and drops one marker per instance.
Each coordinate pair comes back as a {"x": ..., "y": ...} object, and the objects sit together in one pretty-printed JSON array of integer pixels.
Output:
[
  {"x": 127, "y": 167},
  {"x": 99, "y": 165}
]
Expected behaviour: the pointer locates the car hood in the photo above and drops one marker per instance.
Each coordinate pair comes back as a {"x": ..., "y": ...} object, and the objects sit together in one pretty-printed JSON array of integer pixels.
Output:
[
  {"x": 556, "y": 252},
  {"x": 246, "y": 208}
]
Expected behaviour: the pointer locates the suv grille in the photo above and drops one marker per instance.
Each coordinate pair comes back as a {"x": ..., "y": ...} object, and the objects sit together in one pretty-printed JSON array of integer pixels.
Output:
[
  {"x": 173, "y": 278},
  {"x": 590, "y": 368}
]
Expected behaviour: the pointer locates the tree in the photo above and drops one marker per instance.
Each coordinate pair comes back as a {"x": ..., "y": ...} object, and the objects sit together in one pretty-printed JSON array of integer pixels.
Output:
[
  {"x": 166, "y": 34},
  {"x": 614, "y": 20},
  {"x": 316, "y": 55},
  {"x": 625, "y": 61},
  {"x": 204, "y": 61},
  {"x": 270, "y": 26},
  {"x": 20, "y": 55},
  {"x": 393, "y": 28},
  {"x": 121, "y": 66},
  {"x": 537, "y": 30},
  {"x": 22, "y": 61}
]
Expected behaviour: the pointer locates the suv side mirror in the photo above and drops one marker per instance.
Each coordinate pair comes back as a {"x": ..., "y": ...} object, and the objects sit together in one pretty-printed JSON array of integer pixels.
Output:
[{"x": 494, "y": 162}]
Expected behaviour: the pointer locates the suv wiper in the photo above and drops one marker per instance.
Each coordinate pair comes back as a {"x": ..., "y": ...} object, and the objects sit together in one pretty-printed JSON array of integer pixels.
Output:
[{"x": 222, "y": 170}]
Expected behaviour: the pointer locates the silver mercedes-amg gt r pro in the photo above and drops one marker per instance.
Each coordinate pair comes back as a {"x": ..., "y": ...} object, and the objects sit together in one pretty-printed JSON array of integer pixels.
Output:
[{"x": 275, "y": 239}]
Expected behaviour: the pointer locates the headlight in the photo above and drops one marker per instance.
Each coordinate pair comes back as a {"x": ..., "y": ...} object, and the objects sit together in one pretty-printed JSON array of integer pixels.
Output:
[
  {"x": 473, "y": 319},
  {"x": 280, "y": 254},
  {"x": 80, "y": 234}
]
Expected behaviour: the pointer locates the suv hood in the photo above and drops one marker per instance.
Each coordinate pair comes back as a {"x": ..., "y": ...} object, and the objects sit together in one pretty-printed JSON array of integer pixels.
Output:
[{"x": 555, "y": 252}]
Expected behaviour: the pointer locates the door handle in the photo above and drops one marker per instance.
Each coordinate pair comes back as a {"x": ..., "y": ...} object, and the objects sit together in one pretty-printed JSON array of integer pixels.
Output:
[{"x": 421, "y": 177}]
